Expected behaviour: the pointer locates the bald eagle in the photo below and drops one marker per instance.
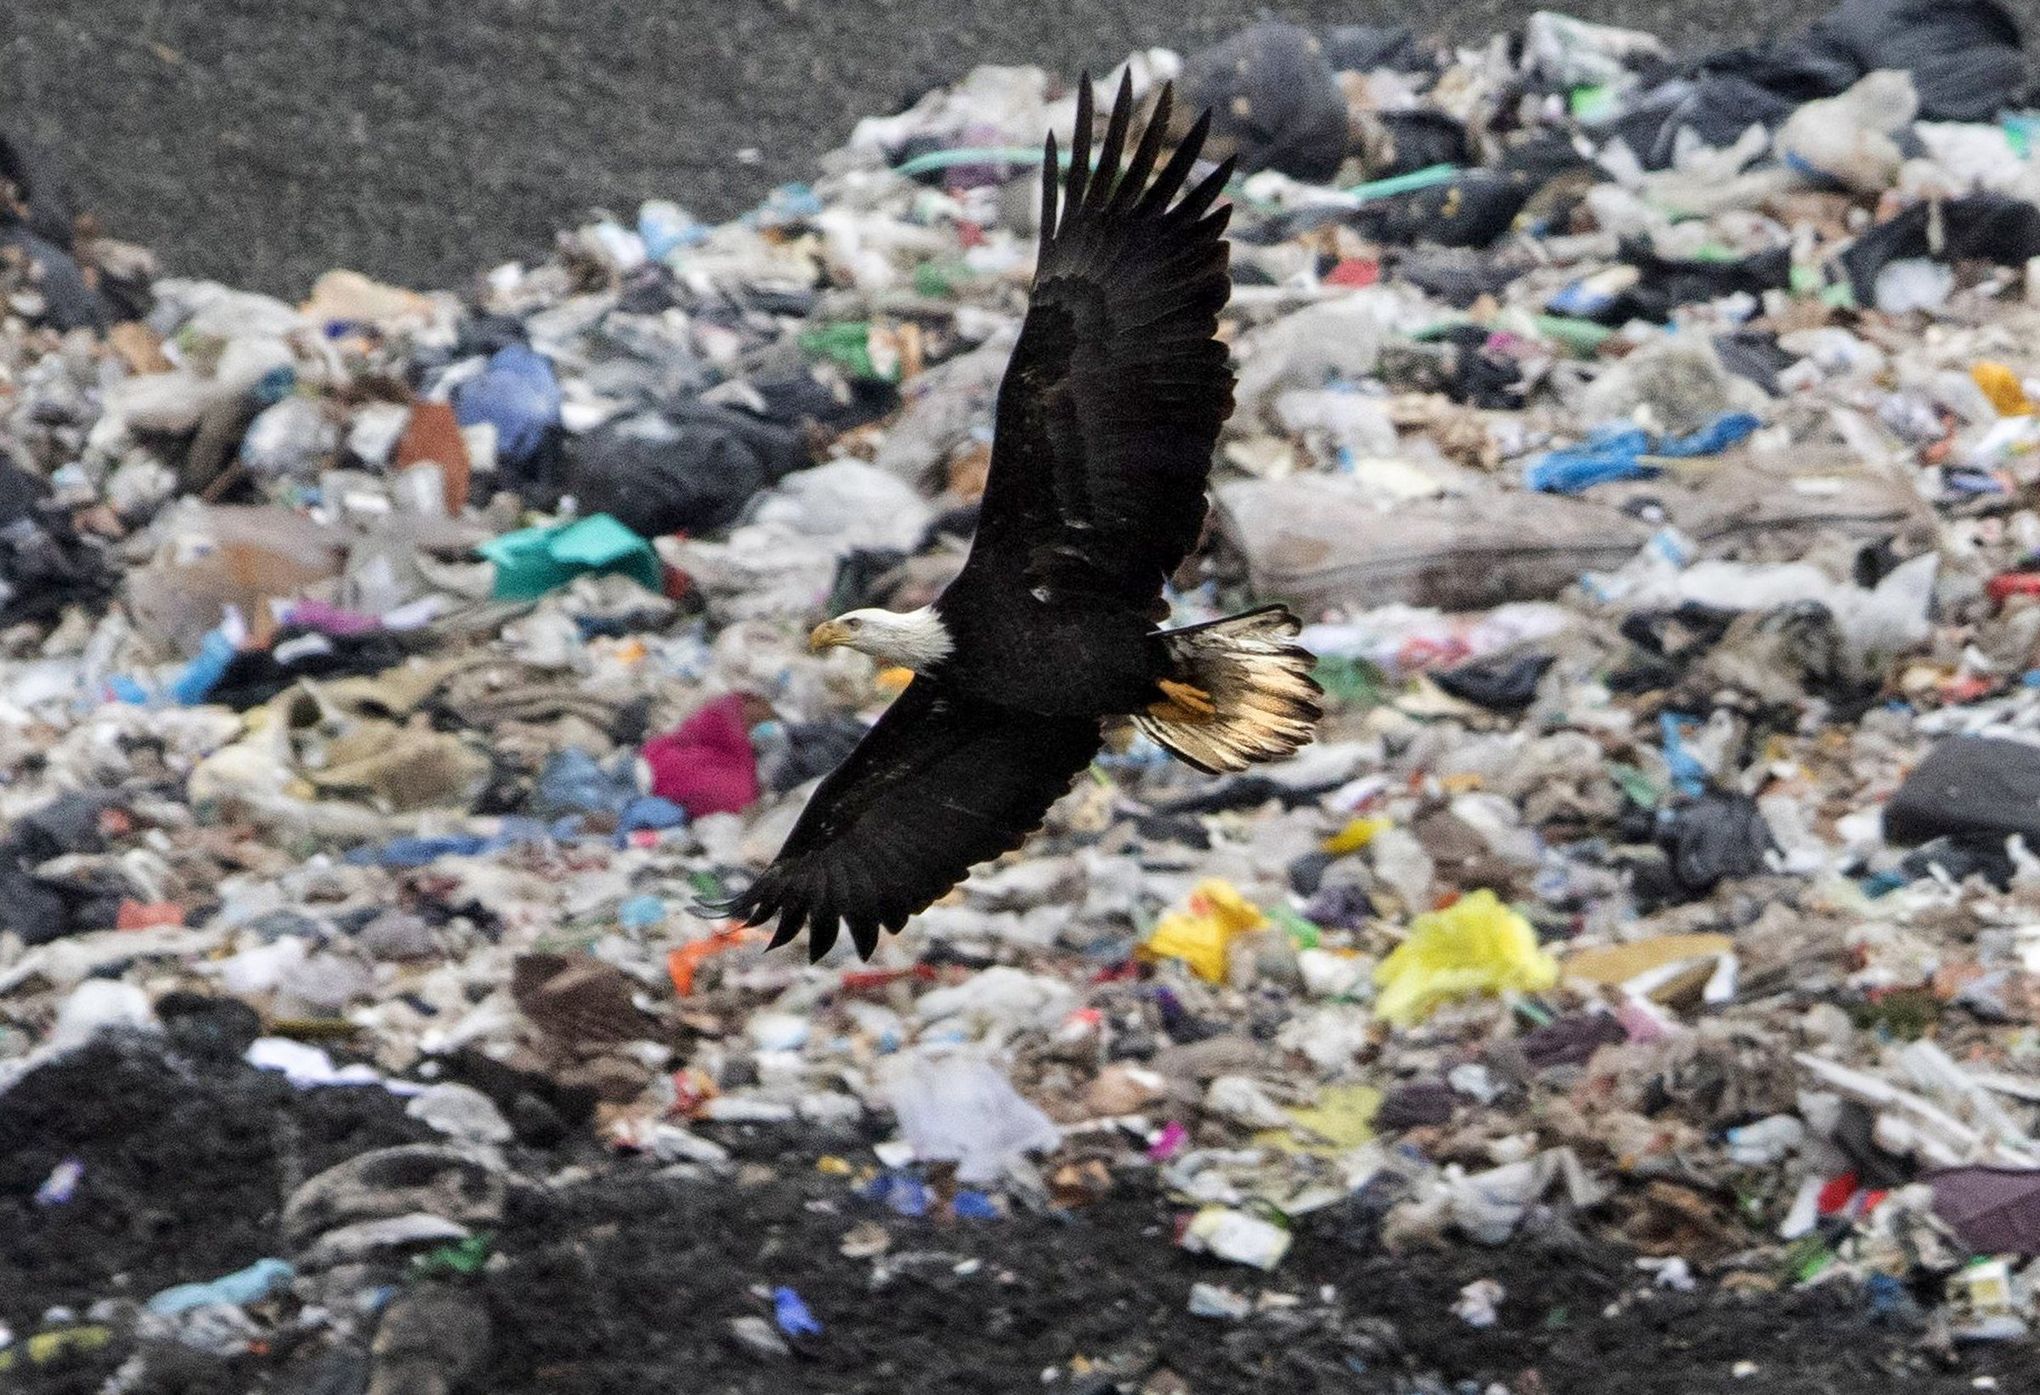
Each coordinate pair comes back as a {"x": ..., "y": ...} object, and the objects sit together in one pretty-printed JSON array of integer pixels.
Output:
[{"x": 1106, "y": 422}]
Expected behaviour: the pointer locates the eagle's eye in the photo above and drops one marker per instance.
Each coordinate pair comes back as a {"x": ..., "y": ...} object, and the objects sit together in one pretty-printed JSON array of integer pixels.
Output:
[{"x": 854, "y": 624}]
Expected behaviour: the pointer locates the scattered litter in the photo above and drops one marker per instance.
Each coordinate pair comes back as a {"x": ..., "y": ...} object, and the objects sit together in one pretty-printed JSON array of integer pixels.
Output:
[
  {"x": 1648, "y": 443},
  {"x": 792, "y": 1315},
  {"x": 239, "y": 1289},
  {"x": 61, "y": 1185},
  {"x": 1479, "y": 1302},
  {"x": 1237, "y": 1236},
  {"x": 1214, "y": 1301},
  {"x": 1476, "y": 945}
]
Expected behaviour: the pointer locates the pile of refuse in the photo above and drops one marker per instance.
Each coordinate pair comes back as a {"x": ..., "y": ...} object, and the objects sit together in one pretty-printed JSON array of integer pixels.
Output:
[{"x": 1647, "y": 440}]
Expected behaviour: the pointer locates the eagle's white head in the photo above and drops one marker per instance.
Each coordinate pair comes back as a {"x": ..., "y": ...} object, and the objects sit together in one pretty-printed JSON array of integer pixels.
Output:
[{"x": 912, "y": 639}]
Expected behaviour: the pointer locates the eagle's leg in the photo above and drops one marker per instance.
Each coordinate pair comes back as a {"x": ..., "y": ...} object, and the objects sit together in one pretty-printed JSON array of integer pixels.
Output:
[{"x": 1186, "y": 702}]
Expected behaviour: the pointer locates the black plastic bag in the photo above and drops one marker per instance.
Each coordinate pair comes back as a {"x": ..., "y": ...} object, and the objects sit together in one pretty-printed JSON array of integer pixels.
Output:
[
  {"x": 1507, "y": 684},
  {"x": 1794, "y": 73},
  {"x": 1669, "y": 283},
  {"x": 1712, "y": 839},
  {"x": 1407, "y": 141},
  {"x": 1363, "y": 48},
  {"x": 810, "y": 751},
  {"x": 1273, "y": 98},
  {"x": 1754, "y": 356},
  {"x": 45, "y": 563},
  {"x": 798, "y": 399},
  {"x": 860, "y": 575},
  {"x": 1966, "y": 56},
  {"x": 1969, "y": 785},
  {"x": 1473, "y": 210},
  {"x": 254, "y": 676},
  {"x": 1960, "y": 858},
  {"x": 1458, "y": 365},
  {"x": 40, "y": 911},
  {"x": 1981, "y": 227},
  {"x": 39, "y": 185},
  {"x": 1717, "y": 108},
  {"x": 1455, "y": 275},
  {"x": 661, "y": 473},
  {"x": 69, "y": 301}
]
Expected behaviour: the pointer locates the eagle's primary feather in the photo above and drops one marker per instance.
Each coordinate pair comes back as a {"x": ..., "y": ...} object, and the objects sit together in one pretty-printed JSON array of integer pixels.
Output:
[{"x": 1106, "y": 422}]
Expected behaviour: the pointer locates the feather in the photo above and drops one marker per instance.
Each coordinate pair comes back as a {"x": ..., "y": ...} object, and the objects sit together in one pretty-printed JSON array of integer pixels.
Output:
[
  {"x": 939, "y": 784},
  {"x": 1106, "y": 423}
]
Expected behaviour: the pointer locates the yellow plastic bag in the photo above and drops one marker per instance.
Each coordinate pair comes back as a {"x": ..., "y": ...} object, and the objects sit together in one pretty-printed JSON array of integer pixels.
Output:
[
  {"x": 1200, "y": 934},
  {"x": 1354, "y": 836},
  {"x": 2002, "y": 386},
  {"x": 1341, "y": 1121},
  {"x": 1475, "y": 945}
]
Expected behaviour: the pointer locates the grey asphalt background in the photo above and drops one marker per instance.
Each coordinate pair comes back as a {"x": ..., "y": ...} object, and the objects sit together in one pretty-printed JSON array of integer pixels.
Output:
[{"x": 264, "y": 141}]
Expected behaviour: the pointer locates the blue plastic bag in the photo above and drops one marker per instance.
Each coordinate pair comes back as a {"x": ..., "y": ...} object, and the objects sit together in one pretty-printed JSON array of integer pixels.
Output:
[
  {"x": 203, "y": 673},
  {"x": 1618, "y": 452},
  {"x": 518, "y": 395},
  {"x": 1611, "y": 453},
  {"x": 238, "y": 1289},
  {"x": 792, "y": 1314}
]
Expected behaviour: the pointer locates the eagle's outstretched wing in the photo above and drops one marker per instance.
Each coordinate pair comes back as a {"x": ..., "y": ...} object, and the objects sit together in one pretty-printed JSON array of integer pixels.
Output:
[
  {"x": 1112, "y": 404},
  {"x": 1106, "y": 422},
  {"x": 942, "y": 782}
]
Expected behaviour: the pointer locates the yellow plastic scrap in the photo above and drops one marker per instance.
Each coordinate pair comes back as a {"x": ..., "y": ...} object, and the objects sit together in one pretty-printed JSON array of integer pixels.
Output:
[
  {"x": 1340, "y": 1121},
  {"x": 1354, "y": 836},
  {"x": 1614, "y": 965},
  {"x": 2002, "y": 386},
  {"x": 1475, "y": 945},
  {"x": 45, "y": 1347},
  {"x": 1200, "y": 934}
]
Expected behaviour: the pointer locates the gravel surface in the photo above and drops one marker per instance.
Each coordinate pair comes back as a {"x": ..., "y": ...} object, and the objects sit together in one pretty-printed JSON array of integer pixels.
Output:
[{"x": 264, "y": 141}]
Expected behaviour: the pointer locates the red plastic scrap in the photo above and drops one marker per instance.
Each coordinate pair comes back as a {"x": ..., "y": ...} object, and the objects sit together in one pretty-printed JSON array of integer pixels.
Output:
[
  {"x": 865, "y": 980},
  {"x": 2003, "y": 588},
  {"x": 148, "y": 915},
  {"x": 1968, "y": 689},
  {"x": 1355, "y": 273},
  {"x": 692, "y": 1090},
  {"x": 684, "y": 961},
  {"x": 1834, "y": 1197}
]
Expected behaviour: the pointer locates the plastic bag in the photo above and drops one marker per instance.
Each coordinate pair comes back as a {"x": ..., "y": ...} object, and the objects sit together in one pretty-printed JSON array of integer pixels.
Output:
[
  {"x": 1475, "y": 945},
  {"x": 1202, "y": 934},
  {"x": 664, "y": 474},
  {"x": 1274, "y": 100},
  {"x": 706, "y": 765},
  {"x": 519, "y": 396},
  {"x": 961, "y": 1109}
]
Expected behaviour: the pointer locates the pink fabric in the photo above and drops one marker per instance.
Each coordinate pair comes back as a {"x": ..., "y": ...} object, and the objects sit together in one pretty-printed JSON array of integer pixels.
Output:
[
  {"x": 331, "y": 619},
  {"x": 707, "y": 765}
]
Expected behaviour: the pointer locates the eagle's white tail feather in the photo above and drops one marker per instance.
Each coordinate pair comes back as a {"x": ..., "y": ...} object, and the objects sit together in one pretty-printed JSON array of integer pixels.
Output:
[{"x": 1258, "y": 681}]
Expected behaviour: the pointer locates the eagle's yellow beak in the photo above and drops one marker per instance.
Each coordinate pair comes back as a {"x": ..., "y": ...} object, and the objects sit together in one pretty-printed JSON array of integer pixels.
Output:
[{"x": 828, "y": 635}]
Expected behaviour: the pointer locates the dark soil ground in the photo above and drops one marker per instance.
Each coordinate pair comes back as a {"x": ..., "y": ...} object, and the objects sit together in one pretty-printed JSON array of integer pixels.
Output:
[
  {"x": 186, "y": 1169},
  {"x": 628, "y": 1281},
  {"x": 265, "y": 141}
]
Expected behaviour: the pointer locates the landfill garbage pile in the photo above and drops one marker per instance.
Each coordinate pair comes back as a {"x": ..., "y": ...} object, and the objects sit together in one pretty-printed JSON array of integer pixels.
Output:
[{"x": 1645, "y": 958}]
